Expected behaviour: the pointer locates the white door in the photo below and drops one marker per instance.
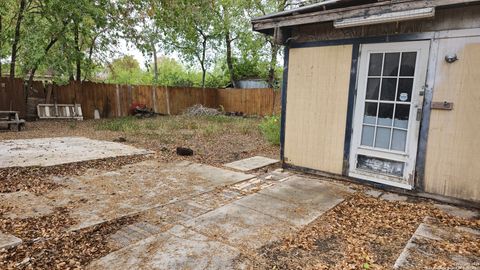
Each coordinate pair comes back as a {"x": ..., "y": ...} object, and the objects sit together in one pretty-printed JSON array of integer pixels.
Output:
[{"x": 387, "y": 115}]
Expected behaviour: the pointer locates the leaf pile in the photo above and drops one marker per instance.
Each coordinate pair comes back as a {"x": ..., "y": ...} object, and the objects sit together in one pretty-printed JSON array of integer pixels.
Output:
[
  {"x": 35, "y": 179},
  {"x": 360, "y": 233},
  {"x": 46, "y": 244}
]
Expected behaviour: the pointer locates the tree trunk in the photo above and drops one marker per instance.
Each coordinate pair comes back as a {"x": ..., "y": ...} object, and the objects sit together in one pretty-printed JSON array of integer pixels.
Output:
[
  {"x": 35, "y": 67},
  {"x": 204, "y": 53},
  {"x": 273, "y": 64},
  {"x": 78, "y": 59},
  {"x": 16, "y": 38},
  {"x": 228, "y": 42},
  {"x": 155, "y": 63}
]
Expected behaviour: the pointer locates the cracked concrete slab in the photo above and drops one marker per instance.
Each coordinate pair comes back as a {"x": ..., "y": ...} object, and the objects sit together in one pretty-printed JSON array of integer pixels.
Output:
[
  {"x": 292, "y": 213},
  {"x": 178, "y": 248},
  {"x": 8, "y": 241},
  {"x": 310, "y": 193},
  {"x": 240, "y": 226},
  {"x": 100, "y": 196},
  {"x": 55, "y": 151},
  {"x": 252, "y": 163}
]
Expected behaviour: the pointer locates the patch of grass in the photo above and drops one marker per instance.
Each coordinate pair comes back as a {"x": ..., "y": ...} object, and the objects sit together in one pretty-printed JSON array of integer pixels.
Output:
[
  {"x": 220, "y": 118},
  {"x": 270, "y": 128},
  {"x": 152, "y": 125},
  {"x": 211, "y": 129},
  {"x": 125, "y": 124},
  {"x": 72, "y": 124}
]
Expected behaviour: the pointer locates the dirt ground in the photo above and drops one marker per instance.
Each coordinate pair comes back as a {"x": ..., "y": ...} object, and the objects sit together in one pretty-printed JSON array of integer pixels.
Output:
[
  {"x": 215, "y": 140},
  {"x": 363, "y": 232}
]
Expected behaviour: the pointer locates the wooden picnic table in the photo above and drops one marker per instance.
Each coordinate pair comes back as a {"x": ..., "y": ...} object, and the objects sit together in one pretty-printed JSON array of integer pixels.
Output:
[{"x": 12, "y": 120}]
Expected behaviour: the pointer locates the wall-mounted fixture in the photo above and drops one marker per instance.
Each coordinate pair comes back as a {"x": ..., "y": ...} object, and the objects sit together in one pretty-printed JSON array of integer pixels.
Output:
[
  {"x": 386, "y": 17},
  {"x": 450, "y": 58}
]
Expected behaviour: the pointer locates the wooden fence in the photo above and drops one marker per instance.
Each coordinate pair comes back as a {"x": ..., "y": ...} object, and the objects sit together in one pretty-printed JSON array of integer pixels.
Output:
[{"x": 113, "y": 100}]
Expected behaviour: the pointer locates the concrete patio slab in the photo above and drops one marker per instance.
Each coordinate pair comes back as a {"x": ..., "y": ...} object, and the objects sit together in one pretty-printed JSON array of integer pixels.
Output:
[
  {"x": 100, "y": 196},
  {"x": 8, "y": 241},
  {"x": 252, "y": 163},
  {"x": 240, "y": 226},
  {"x": 292, "y": 213},
  {"x": 313, "y": 195},
  {"x": 178, "y": 248},
  {"x": 133, "y": 233},
  {"x": 55, "y": 151},
  {"x": 23, "y": 204}
]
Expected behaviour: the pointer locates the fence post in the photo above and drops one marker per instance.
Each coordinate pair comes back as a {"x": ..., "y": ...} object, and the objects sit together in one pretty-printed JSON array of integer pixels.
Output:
[
  {"x": 119, "y": 109},
  {"x": 167, "y": 99},
  {"x": 154, "y": 97}
]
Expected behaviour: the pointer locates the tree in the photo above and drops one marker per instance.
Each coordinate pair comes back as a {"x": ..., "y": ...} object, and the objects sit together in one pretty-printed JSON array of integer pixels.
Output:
[
  {"x": 189, "y": 28},
  {"x": 263, "y": 7}
]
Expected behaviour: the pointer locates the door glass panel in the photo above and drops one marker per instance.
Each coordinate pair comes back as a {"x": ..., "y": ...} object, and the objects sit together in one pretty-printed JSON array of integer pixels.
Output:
[
  {"x": 399, "y": 140},
  {"x": 409, "y": 59},
  {"x": 392, "y": 60},
  {"x": 385, "y": 114},
  {"x": 389, "y": 87},
  {"x": 367, "y": 135},
  {"x": 405, "y": 87},
  {"x": 373, "y": 86},
  {"x": 375, "y": 66},
  {"x": 402, "y": 113},
  {"x": 380, "y": 165},
  {"x": 370, "y": 113},
  {"x": 382, "y": 139}
]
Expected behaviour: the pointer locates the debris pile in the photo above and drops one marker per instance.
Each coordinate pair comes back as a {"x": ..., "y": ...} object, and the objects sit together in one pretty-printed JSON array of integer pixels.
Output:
[{"x": 200, "y": 110}]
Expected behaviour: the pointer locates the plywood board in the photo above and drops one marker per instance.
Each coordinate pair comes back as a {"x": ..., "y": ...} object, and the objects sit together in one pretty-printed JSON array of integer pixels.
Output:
[
  {"x": 318, "y": 84},
  {"x": 453, "y": 160}
]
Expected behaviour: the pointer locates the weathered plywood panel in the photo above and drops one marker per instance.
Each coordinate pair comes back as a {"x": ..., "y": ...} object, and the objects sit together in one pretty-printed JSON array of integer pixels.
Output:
[
  {"x": 318, "y": 83},
  {"x": 453, "y": 159}
]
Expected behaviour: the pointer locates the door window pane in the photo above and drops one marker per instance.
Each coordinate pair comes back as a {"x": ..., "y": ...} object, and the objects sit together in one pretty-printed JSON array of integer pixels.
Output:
[
  {"x": 382, "y": 139},
  {"x": 408, "y": 64},
  {"x": 385, "y": 114},
  {"x": 389, "y": 87},
  {"x": 380, "y": 165},
  {"x": 375, "y": 68},
  {"x": 367, "y": 135},
  {"x": 399, "y": 140},
  {"x": 392, "y": 60},
  {"x": 370, "y": 113},
  {"x": 402, "y": 113},
  {"x": 373, "y": 86},
  {"x": 405, "y": 87}
]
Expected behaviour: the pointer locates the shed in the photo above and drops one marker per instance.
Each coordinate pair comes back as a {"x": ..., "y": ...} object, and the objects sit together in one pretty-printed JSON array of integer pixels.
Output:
[{"x": 385, "y": 92}]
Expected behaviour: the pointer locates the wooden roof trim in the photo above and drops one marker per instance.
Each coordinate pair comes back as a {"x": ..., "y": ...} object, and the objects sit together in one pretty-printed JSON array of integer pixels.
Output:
[{"x": 348, "y": 12}]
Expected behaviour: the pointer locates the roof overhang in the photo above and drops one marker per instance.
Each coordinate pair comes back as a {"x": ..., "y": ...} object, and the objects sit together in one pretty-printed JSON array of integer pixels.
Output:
[{"x": 311, "y": 14}]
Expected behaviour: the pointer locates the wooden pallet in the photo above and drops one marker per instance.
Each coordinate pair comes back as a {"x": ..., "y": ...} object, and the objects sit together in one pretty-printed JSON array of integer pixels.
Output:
[{"x": 60, "y": 111}]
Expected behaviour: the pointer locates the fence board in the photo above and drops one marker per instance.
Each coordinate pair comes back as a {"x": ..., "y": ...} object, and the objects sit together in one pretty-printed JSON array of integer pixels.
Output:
[{"x": 12, "y": 96}]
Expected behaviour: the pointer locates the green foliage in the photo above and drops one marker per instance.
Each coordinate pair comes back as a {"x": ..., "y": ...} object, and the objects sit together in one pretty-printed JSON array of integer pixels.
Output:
[
  {"x": 124, "y": 124},
  {"x": 270, "y": 128}
]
